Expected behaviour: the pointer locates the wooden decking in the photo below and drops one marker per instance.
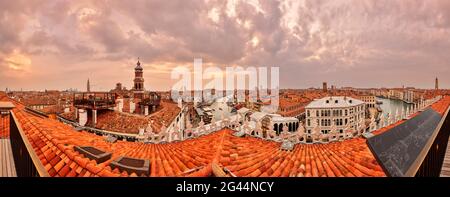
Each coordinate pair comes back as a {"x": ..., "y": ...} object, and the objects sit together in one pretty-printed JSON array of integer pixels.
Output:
[
  {"x": 445, "y": 171},
  {"x": 7, "y": 167}
]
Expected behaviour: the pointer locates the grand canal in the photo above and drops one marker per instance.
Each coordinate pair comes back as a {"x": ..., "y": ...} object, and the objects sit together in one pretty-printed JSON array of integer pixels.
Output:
[{"x": 392, "y": 105}]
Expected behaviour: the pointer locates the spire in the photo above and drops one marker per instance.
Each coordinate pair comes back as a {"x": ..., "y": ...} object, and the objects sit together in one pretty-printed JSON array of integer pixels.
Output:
[{"x": 88, "y": 86}]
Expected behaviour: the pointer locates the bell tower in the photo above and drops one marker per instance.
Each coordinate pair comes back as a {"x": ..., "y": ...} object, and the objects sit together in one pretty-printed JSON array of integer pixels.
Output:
[
  {"x": 138, "y": 88},
  {"x": 88, "y": 86},
  {"x": 436, "y": 84}
]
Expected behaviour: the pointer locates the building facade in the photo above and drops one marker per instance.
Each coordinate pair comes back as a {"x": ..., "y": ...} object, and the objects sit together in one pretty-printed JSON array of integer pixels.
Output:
[
  {"x": 343, "y": 112},
  {"x": 370, "y": 100},
  {"x": 408, "y": 96}
]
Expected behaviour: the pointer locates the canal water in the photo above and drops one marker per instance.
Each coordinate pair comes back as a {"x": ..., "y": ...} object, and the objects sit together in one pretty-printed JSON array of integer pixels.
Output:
[{"x": 391, "y": 105}]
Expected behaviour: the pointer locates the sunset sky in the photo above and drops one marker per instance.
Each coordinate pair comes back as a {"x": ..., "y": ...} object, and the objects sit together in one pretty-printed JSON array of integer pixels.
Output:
[{"x": 51, "y": 44}]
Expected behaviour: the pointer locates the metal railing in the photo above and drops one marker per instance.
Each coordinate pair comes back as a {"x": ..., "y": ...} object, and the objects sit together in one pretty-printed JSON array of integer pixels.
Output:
[
  {"x": 430, "y": 160},
  {"x": 26, "y": 161},
  {"x": 94, "y": 100},
  {"x": 36, "y": 112}
]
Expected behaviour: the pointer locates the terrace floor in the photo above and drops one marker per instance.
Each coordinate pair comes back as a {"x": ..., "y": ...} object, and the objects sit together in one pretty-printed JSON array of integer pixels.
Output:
[
  {"x": 7, "y": 167},
  {"x": 445, "y": 171}
]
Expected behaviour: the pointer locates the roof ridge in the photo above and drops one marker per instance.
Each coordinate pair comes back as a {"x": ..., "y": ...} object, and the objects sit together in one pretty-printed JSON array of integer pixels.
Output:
[
  {"x": 219, "y": 148},
  {"x": 208, "y": 169}
]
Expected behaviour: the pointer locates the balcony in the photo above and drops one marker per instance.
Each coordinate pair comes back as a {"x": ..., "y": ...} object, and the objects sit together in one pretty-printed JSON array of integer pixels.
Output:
[
  {"x": 94, "y": 100},
  {"x": 151, "y": 99}
]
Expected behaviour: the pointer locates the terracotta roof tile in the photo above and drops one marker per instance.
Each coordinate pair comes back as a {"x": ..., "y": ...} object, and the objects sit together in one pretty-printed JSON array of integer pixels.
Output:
[
  {"x": 442, "y": 105},
  {"x": 54, "y": 142},
  {"x": 4, "y": 126},
  {"x": 64, "y": 171},
  {"x": 72, "y": 173},
  {"x": 306, "y": 160}
]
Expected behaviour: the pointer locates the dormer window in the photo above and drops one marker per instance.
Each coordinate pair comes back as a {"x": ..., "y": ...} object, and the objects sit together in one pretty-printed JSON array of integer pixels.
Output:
[
  {"x": 327, "y": 101},
  {"x": 350, "y": 101},
  {"x": 336, "y": 101}
]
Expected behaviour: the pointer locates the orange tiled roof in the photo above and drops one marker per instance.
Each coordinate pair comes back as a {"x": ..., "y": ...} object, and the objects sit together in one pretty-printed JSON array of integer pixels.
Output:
[
  {"x": 69, "y": 115},
  {"x": 41, "y": 98},
  {"x": 166, "y": 115},
  {"x": 255, "y": 157},
  {"x": 442, "y": 105},
  {"x": 54, "y": 145},
  {"x": 4, "y": 119},
  {"x": 53, "y": 142},
  {"x": 120, "y": 122},
  {"x": 130, "y": 123},
  {"x": 4, "y": 126},
  {"x": 53, "y": 109}
]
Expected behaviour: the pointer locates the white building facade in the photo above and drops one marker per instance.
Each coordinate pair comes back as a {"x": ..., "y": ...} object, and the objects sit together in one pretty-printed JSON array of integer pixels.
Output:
[
  {"x": 408, "y": 96},
  {"x": 341, "y": 112}
]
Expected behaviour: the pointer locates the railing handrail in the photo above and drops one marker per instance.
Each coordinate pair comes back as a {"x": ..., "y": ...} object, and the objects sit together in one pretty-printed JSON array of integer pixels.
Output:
[
  {"x": 35, "y": 112},
  {"x": 36, "y": 161},
  {"x": 419, "y": 160}
]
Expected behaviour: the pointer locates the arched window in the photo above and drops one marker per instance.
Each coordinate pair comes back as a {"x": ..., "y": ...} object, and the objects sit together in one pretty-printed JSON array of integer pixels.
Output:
[
  {"x": 280, "y": 128},
  {"x": 275, "y": 127}
]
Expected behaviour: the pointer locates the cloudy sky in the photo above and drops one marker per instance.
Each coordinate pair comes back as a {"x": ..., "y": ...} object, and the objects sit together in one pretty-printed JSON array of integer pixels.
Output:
[{"x": 52, "y": 44}]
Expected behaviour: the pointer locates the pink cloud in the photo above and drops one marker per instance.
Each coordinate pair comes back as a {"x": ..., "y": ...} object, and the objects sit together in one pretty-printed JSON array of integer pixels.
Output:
[{"x": 405, "y": 41}]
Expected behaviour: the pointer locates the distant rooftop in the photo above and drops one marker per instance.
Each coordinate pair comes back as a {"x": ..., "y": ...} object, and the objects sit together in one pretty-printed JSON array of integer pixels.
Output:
[
  {"x": 334, "y": 102},
  {"x": 6, "y": 105}
]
